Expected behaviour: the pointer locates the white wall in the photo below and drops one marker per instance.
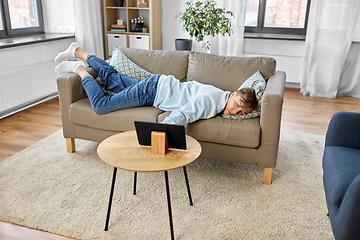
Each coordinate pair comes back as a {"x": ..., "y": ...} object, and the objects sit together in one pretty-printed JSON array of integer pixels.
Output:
[
  {"x": 288, "y": 53},
  {"x": 284, "y": 51},
  {"x": 28, "y": 74},
  {"x": 171, "y": 28}
]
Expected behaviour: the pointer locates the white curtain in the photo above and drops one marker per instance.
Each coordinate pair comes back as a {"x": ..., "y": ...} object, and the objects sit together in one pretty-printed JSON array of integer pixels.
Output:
[
  {"x": 228, "y": 45},
  {"x": 350, "y": 79},
  {"x": 328, "y": 41},
  {"x": 88, "y": 26}
]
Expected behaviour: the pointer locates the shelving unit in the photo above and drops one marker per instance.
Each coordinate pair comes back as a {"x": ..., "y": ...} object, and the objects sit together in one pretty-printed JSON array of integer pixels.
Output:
[{"x": 152, "y": 17}]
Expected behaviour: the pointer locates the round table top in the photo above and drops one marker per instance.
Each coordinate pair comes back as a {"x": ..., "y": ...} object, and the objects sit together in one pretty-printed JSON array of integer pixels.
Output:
[{"x": 123, "y": 151}]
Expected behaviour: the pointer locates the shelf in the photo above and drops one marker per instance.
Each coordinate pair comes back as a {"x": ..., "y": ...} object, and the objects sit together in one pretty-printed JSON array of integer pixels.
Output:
[
  {"x": 151, "y": 14},
  {"x": 135, "y": 33},
  {"x": 132, "y": 8},
  {"x": 139, "y": 8},
  {"x": 139, "y": 33},
  {"x": 116, "y": 8},
  {"x": 116, "y": 32}
]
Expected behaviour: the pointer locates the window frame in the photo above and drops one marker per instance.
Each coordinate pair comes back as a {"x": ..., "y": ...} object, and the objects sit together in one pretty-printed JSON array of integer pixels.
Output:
[
  {"x": 260, "y": 28},
  {"x": 9, "y": 32},
  {"x": 2, "y": 19}
]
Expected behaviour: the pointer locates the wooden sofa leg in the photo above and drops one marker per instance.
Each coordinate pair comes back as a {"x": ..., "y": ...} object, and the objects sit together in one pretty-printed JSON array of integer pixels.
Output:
[
  {"x": 267, "y": 176},
  {"x": 70, "y": 145}
]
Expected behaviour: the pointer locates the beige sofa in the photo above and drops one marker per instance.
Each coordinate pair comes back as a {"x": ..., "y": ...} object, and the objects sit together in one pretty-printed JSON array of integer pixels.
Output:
[{"x": 251, "y": 141}]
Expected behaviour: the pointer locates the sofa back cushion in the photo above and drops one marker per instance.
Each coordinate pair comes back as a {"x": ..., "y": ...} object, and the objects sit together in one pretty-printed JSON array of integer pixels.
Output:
[
  {"x": 227, "y": 73},
  {"x": 160, "y": 62}
]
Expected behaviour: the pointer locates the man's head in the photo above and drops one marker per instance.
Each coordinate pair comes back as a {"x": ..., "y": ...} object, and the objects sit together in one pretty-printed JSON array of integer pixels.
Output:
[{"x": 241, "y": 102}]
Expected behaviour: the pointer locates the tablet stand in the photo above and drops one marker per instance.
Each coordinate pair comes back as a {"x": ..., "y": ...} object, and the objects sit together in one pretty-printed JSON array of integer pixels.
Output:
[{"x": 159, "y": 143}]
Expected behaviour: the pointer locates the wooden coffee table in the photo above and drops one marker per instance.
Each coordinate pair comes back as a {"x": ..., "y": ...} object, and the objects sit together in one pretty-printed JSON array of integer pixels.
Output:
[{"x": 123, "y": 151}]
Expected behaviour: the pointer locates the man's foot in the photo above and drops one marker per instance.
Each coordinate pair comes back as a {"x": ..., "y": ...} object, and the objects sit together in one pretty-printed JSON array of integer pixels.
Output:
[
  {"x": 68, "y": 54},
  {"x": 69, "y": 66}
]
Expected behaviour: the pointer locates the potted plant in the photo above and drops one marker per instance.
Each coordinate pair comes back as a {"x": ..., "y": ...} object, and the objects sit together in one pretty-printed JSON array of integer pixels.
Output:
[
  {"x": 145, "y": 28},
  {"x": 201, "y": 19}
]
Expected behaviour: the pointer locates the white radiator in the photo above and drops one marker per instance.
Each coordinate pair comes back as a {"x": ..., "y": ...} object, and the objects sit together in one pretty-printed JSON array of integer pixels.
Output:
[
  {"x": 290, "y": 65},
  {"x": 24, "y": 86}
]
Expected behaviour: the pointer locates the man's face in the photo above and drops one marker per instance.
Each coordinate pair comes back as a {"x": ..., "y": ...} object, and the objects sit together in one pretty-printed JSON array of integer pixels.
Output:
[{"x": 235, "y": 106}]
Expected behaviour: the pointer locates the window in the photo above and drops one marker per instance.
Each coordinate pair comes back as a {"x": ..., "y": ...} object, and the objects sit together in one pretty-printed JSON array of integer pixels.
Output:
[
  {"x": 277, "y": 16},
  {"x": 20, "y": 17}
]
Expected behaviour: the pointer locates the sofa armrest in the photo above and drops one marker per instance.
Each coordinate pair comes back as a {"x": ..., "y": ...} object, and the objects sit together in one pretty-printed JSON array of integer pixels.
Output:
[
  {"x": 70, "y": 90},
  {"x": 270, "y": 118},
  {"x": 345, "y": 222},
  {"x": 344, "y": 130}
]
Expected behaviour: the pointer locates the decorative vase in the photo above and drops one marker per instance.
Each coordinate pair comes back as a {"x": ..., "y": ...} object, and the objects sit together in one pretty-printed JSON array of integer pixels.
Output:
[
  {"x": 183, "y": 44},
  {"x": 119, "y": 3},
  {"x": 141, "y": 3}
]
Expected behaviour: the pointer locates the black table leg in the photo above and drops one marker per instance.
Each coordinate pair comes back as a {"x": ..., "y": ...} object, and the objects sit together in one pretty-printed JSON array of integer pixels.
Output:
[
  {"x": 135, "y": 177},
  {"x": 110, "y": 199},
  {"x": 188, "y": 186},
  {"x": 169, "y": 204}
]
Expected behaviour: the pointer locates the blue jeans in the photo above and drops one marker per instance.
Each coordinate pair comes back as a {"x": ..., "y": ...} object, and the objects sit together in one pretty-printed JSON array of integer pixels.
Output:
[{"x": 130, "y": 92}]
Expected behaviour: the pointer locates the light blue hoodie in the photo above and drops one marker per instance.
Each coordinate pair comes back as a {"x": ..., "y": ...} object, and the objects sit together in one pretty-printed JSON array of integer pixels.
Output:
[{"x": 188, "y": 101}]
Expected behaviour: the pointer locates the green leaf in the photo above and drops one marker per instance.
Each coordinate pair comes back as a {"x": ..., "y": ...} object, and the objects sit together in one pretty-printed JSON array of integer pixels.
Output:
[{"x": 203, "y": 18}]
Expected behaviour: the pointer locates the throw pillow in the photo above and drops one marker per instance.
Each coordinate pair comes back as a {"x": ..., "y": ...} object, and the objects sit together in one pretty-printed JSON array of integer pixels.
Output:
[
  {"x": 124, "y": 66},
  {"x": 258, "y": 83}
]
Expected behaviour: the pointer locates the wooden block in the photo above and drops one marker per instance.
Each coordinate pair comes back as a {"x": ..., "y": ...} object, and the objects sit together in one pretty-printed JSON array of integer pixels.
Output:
[{"x": 159, "y": 143}]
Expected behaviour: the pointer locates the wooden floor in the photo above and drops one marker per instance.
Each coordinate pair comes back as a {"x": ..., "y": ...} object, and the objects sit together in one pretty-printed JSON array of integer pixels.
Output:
[
  {"x": 300, "y": 113},
  {"x": 312, "y": 115},
  {"x": 25, "y": 128}
]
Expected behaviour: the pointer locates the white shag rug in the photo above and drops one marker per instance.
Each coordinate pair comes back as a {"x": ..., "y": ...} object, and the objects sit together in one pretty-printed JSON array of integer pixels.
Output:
[{"x": 44, "y": 187}]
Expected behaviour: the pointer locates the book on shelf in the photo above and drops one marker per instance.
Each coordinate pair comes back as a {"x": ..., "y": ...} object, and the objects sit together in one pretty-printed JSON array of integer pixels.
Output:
[
  {"x": 118, "y": 30},
  {"x": 118, "y": 26}
]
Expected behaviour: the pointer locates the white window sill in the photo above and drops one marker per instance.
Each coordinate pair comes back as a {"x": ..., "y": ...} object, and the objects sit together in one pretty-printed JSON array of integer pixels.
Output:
[
  {"x": 32, "y": 39},
  {"x": 275, "y": 36}
]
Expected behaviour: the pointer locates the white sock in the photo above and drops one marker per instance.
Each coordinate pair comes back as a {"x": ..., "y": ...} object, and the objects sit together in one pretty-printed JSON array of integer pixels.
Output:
[
  {"x": 69, "y": 66},
  {"x": 68, "y": 54}
]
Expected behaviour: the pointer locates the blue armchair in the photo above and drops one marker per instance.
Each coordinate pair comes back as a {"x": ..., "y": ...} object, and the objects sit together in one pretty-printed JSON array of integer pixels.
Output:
[{"x": 341, "y": 165}]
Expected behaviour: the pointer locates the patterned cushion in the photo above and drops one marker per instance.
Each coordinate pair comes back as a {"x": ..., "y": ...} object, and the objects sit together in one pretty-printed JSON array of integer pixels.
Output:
[
  {"x": 124, "y": 66},
  {"x": 257, "y": 82}
]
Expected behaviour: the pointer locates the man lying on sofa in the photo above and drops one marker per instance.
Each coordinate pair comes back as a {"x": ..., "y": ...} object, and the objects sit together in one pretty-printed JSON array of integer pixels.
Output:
[{"x": 188, "y": 101}]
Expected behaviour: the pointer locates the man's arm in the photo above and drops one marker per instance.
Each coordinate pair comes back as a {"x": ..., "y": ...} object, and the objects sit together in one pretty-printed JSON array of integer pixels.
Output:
[{"x": 203, "y": 107}]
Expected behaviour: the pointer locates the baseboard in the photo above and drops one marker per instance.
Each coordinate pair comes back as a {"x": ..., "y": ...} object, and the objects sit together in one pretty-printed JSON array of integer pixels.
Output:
[
  {"x": 292, "y": 85},
  {"x": 29, "y": 104}
]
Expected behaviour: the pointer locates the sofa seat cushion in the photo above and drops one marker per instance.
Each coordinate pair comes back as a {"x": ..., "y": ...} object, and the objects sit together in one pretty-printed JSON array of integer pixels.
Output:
[
  {"x": 341, "y": 166},
  {"x": 81, "y": 113},
  {"x": 241, "y": 133}
]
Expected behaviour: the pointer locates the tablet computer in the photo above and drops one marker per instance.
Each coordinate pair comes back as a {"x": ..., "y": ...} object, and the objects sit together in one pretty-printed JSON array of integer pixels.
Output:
[{"x": 175, "y": 133}]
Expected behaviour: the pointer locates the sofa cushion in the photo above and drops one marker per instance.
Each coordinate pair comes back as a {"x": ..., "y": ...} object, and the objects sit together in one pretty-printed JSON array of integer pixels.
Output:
[
  {"x": 160, "y": 62},
  {"x": 241, "y": 133},
  {"x": 124, "y": 66},
  {"x": 81, "y": 113},
  {"x": 227, "y": 73},
  {"x": 341, "y": 166}
]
